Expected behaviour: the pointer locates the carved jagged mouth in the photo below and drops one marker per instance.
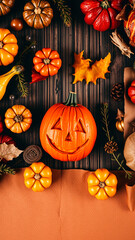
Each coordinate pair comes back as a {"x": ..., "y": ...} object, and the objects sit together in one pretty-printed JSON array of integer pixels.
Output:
[{"x": 71, "y": 151}]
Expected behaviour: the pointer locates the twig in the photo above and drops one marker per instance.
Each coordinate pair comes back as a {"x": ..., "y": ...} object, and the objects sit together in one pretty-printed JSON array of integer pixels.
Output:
[
  {"x": 26, "y": 49},
  {"x": 104, "y": 112}
]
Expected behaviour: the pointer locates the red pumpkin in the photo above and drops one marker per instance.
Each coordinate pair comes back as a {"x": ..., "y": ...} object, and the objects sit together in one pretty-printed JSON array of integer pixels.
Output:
[
  {"x": 131, "y": 92},
  {"x": 129, "y": 27},
  {"x": 68, "y": 131},
  {"x": 101, "y": 13},
  {"x": 47, "y": 62},
  {"x": 8, "y": 140},
  {"x": 1, "y": 125}
]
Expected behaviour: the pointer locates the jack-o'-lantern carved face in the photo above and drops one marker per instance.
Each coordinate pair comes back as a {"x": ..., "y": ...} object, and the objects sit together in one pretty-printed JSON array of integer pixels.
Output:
[{"x": 68, "y": 131}]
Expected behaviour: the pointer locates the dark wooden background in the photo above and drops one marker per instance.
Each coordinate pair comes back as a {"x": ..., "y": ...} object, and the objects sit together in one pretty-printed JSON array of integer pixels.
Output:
[{"x": 44, "y": 94}]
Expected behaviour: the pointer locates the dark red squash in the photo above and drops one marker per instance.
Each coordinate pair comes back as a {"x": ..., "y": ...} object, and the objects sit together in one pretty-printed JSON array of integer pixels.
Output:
[
  {"x": 68, "y": 130},
  {"x": 1, "y": 125},
  {"x": 101, "y": 13},
  {"x": 131, "y": 92},
  {"x": 6, "y": 139}
]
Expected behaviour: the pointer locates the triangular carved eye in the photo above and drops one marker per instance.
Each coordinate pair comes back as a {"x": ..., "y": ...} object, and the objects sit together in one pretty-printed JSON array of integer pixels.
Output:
[
  {"x": 57, "y": 125},
  {"x": 79, "y": 127}
]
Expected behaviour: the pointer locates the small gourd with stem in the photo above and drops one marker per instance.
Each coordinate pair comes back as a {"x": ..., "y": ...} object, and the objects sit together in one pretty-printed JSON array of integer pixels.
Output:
[{"x": 5, "y": 78}]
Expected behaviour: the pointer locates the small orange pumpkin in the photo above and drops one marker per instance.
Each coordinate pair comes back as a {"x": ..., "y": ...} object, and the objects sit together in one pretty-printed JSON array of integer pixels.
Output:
[
  {"x": 38, "y": 177},
  {"x": 8, "y": 47},
  {"x": 38, "y": 13},
  {"x": 47, "y": 62},
  {"x": 5, "y": 6},
  {"x": 18, "y": 119},
  {"x": 102, "y": 184}
]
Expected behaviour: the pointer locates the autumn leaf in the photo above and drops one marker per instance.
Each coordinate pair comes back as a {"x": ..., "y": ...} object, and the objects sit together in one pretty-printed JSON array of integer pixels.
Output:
[
  {"x": 90, "y": 74},
  {"x": 36, "y": 77},
  {"x": 9, "y": 151},
  {"x": 80, "y": 61}
]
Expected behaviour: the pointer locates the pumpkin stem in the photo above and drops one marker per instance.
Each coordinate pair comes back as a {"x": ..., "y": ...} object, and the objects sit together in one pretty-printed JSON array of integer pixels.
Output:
[
  {"x": 18, "y": 118},
  {"x": 1, "y": 44},
  {"x": 101, "y": 184},
  {"x": 105, "y": 4},
  {"x": 37, "y": 176},
  {"x": 18, "y": 68},
  {"x": 71, "y": 101},
  {"x": 37, "y": 10},
  {"x": 46, "y": 61}
]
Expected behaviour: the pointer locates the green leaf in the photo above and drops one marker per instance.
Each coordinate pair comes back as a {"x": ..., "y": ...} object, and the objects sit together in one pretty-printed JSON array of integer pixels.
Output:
[
  {"x": 118, "y": 156},
  {"x": 122, "y": 162},
  {"x": 104, "y": 129},
  {"x": 119, "y": 167}
]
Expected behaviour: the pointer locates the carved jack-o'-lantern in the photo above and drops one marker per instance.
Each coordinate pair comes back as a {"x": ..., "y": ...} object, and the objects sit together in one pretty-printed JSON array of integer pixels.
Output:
[{"x": 68, "y": 131}]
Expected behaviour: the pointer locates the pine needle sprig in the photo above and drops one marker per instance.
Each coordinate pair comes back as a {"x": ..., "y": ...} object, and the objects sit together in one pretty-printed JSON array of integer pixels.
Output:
[
  {"x": 65, "y": 11},
  {"x": 22, "y": 85},
  {"x": 115, "y": 157},
  {"x": 6, "y": 170}
]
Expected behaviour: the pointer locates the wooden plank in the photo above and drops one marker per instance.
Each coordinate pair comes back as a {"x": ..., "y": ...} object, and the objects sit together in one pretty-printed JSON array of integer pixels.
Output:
[{"x": 55, "y": 89}]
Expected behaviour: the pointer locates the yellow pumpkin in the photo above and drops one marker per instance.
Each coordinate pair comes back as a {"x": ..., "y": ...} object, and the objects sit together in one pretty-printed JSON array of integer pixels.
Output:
[
  {"x": 102, "y": 184},
  {"x": 18, "y": 119},
  {"x": 8, "y": 47},
  {"x": 38, "y": 177}
]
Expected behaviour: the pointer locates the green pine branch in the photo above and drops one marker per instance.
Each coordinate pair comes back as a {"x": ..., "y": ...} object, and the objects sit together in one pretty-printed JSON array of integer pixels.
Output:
[
  {"x": 6, "y": 170},
  {"x": 22, "y": 85},
  {"x": 115, "y": 157},
  {"x": 65, "y": 11}
]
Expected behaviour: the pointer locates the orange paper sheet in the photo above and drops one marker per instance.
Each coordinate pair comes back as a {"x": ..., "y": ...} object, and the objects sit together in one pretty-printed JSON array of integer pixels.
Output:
[{"x": 65, "y": 211}]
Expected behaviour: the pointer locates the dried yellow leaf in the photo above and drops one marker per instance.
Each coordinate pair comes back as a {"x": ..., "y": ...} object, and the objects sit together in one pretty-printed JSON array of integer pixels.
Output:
[{"x": 90, "y": 74}]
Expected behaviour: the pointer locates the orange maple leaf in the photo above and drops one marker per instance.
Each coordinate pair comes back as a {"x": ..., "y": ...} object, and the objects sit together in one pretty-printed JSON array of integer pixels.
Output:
[{"x": 90, "y": 74}]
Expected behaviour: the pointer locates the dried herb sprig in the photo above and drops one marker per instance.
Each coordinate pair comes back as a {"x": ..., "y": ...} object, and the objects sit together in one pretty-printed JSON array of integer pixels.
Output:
[
  {"x": 6, "y": 170},
  {"x": 65, "y": 11},
  {"x": 115, "y": 157},
  {"x": 22, "y": 84}
]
